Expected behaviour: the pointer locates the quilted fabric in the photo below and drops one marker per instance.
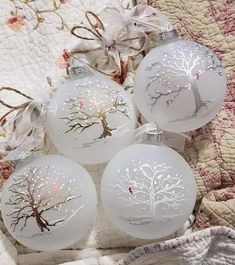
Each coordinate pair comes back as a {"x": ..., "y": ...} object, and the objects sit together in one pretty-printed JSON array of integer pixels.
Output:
[
  {"x": 217, "y": 207},
  {"x": 211, "y": 153},
  {"x": 212, "y": 246},
  {"x": 34, "y": 50}
]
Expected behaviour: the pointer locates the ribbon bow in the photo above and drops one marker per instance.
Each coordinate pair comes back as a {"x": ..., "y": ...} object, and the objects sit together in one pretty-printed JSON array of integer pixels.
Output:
[
  {"x": 23, "y": 126},
  {"x": 120, "y": 32},
  {"x": 112, "y": 42}
]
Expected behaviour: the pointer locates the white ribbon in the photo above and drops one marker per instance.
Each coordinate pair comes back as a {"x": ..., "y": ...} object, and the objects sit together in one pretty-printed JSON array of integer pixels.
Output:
[
  {"x": 26, "y": 130},
  {"x": 120, "y": 32},
  {"x": 148, "y": 19}
]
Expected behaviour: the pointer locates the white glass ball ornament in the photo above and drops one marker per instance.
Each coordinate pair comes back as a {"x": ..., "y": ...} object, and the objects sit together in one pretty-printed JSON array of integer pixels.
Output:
[
  {"x": 49, "y": 204},
  {"x": 95, "y": 118},
  {"x": 148, "y": 191},
  {"x": 180, "y": 85}
]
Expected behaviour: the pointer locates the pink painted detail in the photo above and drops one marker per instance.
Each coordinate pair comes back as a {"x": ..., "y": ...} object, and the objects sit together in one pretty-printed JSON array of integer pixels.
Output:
[
  {"x": 56, "y": 189},
  {"x": 81, "y": 104}
]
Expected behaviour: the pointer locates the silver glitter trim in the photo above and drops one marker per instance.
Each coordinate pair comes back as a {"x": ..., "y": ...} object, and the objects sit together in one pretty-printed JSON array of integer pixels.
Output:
[
  {"x": 154, "y": 137},
  {"x": 79, "y": 71},
  {"x": 168, "y": 35}
]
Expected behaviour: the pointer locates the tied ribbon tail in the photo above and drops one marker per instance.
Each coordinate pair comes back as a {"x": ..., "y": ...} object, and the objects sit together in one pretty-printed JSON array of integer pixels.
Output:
[
  {"x": 24, "y": 129},
  {"x": 26, "y": 145},
  {"x": 105, "y": 38},
  {"x": 129, "y": 36},
  {"x": 11, "y": 107}
]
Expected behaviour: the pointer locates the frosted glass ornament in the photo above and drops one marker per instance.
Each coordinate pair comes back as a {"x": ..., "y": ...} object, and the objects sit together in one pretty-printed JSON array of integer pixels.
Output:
[
  {"x": 49, "y": 204},
  {"x": 148, "y": 191},
  {"x": 181, "y": 85},
  {"x": 95, "y": 118}
]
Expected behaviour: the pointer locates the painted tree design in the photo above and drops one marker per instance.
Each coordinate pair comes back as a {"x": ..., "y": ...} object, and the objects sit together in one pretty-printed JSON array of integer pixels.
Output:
[
  {"x": 151, "y": 187},
  {"x": 180, "y": 66},
  {"x": 31, "y": 198},
  {"x": 93, "y": 107}
]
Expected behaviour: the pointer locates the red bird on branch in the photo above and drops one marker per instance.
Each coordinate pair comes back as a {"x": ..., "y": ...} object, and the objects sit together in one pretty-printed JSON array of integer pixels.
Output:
[{"x": 130, "y": 190}]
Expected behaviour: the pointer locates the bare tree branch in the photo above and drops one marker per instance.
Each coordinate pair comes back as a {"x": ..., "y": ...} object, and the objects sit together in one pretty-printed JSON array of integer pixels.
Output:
[
  {"x": 88, "y": 111},
  {"x": 29, "y": 202},
  {"x": 158, "y": 95},
  {"x": 151, "y": 186},
  {"x": 180, "y": 65}
]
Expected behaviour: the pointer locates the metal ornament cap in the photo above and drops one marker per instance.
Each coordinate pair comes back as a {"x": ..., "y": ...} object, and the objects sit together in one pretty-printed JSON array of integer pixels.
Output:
[
  {"x": 154, "y": 137},
  {"x": 168, "y": 35},
  {"x": 79, "y": 71}
]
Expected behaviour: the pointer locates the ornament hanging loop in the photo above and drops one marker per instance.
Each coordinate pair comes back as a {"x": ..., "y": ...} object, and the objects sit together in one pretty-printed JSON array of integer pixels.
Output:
[{"x": 153, "y": 137}]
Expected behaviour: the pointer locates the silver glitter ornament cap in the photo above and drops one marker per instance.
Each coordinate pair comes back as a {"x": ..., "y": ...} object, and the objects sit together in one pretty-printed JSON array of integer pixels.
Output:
[
  {"x": 79, "y": 71},
  {"x": 168, "y": 35},
  {"x": 154, "y": 137}
]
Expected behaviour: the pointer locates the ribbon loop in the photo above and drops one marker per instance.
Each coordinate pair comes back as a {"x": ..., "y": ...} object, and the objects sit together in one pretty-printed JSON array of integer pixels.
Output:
[
  {"x": 24, "y": 126},
  {"x": 130, "y": 31}
]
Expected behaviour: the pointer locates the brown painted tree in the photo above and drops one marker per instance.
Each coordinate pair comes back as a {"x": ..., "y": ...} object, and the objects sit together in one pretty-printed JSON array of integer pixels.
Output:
[
  {"x": 31, "y": 198},
  {"x": 180, "y": 70},
  {"x": 94, "y": 107}
]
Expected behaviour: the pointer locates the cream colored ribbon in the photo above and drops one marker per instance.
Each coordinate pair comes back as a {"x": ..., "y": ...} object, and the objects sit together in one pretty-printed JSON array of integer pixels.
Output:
[
  {"x": 121, "y": 32},
  {"x": 25, "y": 131}
]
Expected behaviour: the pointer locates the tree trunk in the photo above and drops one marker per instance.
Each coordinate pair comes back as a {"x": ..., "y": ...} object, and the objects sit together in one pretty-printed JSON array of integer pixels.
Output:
[
  {"x": 152, "y": 201},
  {"x": 197, "y": 98},
  {"x": 152, "y": 209},
  {"x": 106, "y": 130},
  {"x": 39, "y": 221}
]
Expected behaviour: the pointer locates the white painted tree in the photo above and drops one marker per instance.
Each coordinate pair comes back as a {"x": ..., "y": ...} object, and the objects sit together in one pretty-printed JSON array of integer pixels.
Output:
[
  {"x": 149, "y": 186},
  {"x": 180, "y": 70},
  {"x": 33, "y": 198}
]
